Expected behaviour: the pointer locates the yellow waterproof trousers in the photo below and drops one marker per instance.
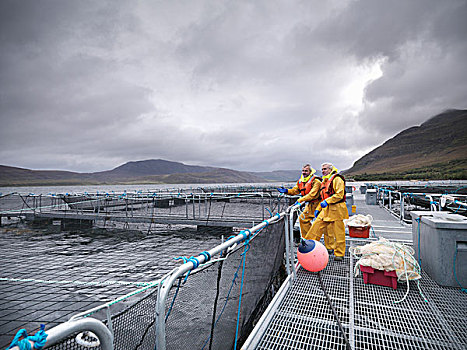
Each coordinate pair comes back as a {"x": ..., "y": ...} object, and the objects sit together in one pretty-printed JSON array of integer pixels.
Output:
[
  {"x": 305, "y": 219},
  {"x": 336, "y": 230}
]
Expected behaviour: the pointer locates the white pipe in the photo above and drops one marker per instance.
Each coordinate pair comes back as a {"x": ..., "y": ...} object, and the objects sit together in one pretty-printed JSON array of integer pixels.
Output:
[
  {"x": 432, "y": 204},
  {"x": 63, "y": 330}
]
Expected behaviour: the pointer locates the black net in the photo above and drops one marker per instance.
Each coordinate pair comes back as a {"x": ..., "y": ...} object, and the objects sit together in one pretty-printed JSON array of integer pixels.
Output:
[
  {"x": 202, "y": 312},
  {"x": 207, "y": 304}
]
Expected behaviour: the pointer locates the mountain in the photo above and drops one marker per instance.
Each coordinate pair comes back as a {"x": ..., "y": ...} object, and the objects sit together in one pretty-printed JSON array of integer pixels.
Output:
[
  {"x": 146, "y": 171},
  {"x": 149, "y": 168},
  {"x": 216, "y": 175},
  {"x": 19, "y": 176},
  {"x": 437, "y": 149},
  {"x": 279, "y": 175}
]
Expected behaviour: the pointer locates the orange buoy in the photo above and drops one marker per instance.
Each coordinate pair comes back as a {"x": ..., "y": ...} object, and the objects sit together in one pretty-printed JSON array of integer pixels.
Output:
[{"x": 312, "y": 255}]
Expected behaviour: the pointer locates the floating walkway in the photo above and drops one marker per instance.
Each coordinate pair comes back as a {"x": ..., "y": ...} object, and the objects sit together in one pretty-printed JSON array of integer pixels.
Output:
[
  {"x": 217, "y": 209},
  {"x": 300, "y": 317}
]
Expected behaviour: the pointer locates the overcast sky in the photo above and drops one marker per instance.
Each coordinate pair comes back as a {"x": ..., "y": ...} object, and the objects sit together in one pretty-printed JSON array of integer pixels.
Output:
[{"x": 248, "y": 85}]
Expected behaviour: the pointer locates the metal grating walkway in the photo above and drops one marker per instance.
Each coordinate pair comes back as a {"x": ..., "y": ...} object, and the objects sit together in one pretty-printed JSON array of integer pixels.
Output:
[
  {"x": 368, "y": 313},
  {"x": 301, "y": 317}
]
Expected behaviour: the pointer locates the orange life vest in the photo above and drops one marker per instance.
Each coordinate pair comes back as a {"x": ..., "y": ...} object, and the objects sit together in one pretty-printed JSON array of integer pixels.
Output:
[
  {"x": 305, "y": 188},
  {"x": 327, "y": 190}
]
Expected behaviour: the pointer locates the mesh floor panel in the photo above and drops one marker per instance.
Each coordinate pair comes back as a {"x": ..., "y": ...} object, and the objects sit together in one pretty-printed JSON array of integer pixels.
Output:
[{"x": 370, "y": 318}]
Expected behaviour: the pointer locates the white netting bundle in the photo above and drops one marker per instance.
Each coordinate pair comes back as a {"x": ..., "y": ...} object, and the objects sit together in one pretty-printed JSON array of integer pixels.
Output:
[
  {"x": 359, "y": 220},
  {"x": 388, "y": 256}
]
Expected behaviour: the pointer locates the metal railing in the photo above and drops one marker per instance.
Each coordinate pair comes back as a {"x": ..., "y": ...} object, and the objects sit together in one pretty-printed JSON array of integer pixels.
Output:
[
  {"x": 396, "y": 202},
  {"x": 58, "y": 333},
  {"x": 196, "y": 205}
]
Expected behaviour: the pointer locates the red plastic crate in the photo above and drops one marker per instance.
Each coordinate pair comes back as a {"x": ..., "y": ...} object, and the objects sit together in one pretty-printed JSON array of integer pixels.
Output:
[
  {"x": 379, "y": 277},
  {"x": 359, "y": 232}
]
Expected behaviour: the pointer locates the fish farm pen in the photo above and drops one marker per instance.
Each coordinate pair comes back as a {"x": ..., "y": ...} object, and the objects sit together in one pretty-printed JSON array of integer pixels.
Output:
[
  {"x": 216, "y": 268},
  {"x": 400, "y": 199}
]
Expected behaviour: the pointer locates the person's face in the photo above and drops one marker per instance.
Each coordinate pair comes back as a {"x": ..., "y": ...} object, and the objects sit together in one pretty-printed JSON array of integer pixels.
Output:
[
  {"x": 326, "y": 170},
  {"x": 306, "y": 171}
]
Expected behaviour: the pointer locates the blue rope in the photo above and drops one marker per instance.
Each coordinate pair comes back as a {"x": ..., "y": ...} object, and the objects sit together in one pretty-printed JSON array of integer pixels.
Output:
[
  {"x": 206, "y": 255},
  {"x": 373, "y": 231},
  {"x": 459, "y": 189},
  {"x": 270, "y": 213},
  {"x": 173, "y": 299},
  {"x": 191, "y": 259},
  {"x": 245, "y": 234},
  {"x": 455, "y": 275},
  {"x": 184, "y": 258},
  {"x": 226, "y": 299},
  {"x": 20, "y": 343},
  {"x": 39, "y": 339},
  {"x": 196, "y": 263},
  {"x": 247, "y": 248}
]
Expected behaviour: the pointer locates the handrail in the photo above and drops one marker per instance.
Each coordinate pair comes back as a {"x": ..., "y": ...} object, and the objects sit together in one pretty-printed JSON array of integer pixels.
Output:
[
  {"x": 96, "y": 198},
  {"x": 63, "y": 330},
  {"x": 290, "y": 239}
]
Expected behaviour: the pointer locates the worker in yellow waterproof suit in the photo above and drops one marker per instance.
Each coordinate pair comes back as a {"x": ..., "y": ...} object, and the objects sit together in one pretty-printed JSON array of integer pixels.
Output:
[
  {"x": 332, "y": 210},
  {"x": 308, "y": 186}
]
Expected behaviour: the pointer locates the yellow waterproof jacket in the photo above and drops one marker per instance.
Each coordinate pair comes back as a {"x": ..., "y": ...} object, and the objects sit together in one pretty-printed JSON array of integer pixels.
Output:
[
  {"x": 312, "y": 197},
  {"x": 335, "y": 211}
]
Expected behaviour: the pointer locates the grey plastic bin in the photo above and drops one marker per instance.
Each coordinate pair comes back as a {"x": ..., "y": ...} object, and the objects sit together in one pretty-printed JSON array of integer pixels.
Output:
[
  {"x": 416, "y": 225},
  {"x": 370, "y": 197},
  {"x": 440, "y": 237}
]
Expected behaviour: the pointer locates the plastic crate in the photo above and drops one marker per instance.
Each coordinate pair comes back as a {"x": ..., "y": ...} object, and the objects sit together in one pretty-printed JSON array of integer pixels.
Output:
[
  {"x": 359, "y": 232},
  {"x": 379, "y": 277}
]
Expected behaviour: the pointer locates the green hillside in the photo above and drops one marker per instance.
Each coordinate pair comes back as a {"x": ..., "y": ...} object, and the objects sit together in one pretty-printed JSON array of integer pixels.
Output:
[
  {"x": 437, "y": 149},
  {"x": 150, "y": 172}
]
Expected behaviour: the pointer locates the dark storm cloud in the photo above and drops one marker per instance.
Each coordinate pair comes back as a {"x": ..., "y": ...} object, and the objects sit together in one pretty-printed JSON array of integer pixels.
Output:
[
  {"x": 258, "y": 85},
  {"x": 61, "y": 95},
  {"x": 423, "y": 49}
]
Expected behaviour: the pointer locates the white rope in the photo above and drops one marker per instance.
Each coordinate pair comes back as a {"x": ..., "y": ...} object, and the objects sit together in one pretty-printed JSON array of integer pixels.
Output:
[
  {"x": 94, "y": 343},
  {"x": 399, "y": 250},
  {"x": 104, "y": 283}
]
